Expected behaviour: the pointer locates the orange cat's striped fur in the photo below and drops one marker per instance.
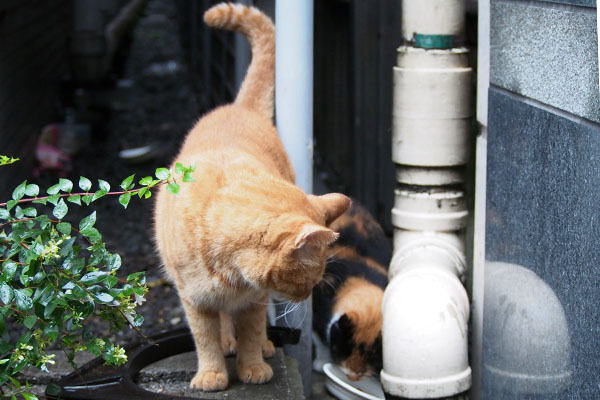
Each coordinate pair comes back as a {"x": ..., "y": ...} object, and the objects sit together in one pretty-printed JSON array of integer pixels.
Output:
[{"x": 242, "y": 229}]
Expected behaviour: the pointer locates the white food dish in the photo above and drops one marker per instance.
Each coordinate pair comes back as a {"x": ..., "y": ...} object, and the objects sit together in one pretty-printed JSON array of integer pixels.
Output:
[{"x": 343, "y": 388}]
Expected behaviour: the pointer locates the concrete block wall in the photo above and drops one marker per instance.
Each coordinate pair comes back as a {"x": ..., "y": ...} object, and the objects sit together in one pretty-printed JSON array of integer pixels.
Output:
[
  {"x": 540, "y": 209},
  {"x": 33, "y": 60}
]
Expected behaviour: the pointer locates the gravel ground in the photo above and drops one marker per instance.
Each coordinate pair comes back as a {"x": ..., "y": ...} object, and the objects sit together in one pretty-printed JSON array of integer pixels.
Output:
[{"x": 151, "y": 103}]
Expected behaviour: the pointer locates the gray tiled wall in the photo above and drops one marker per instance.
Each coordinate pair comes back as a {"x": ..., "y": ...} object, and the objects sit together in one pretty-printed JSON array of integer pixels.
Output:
[
  {"x": 541, "y": 318},
  {"x": 584, "y": 3},
  {"x": 547, "y": 53}
]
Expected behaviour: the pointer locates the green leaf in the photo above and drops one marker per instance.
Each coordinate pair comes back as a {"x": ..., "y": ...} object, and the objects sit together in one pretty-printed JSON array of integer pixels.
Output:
[
  {"x": 40, "y": 201},
  {"x": 77, "y": 293},
  {"x": 179, "y": 168},
  {"x": 74, "y": 265},
  {"x": 30, "y": 321},
  {"x": 75, "y": 199},
  {"x": 19, "y": 191},
  {"x": 53, "y": 390},
  {"x": 103, "y": 297},
  {"x": 162, "y": 173},
  {"x": 110, "y": 281},
  {"x": 138, "y": 320},
  {"x": 91, "y": 233},
  {"x": 4, "y": 214},
  {"x": 32, "y": 190},
  {"x": 98, "y": 194},
  {"x": 142, "y": 192},
  {"x": 124, "y": 199},
  {"x": 87, "y": 199},
  {"x": 19, "y": 212},
  {"x": 50, "y": 308},
  {"x": 54, "y": 189},
  {"x": 54, "y": 198},
  {"x": 113, "y": 262},
  {"x": 64, "y": 228},
  {"x": 60, "y": 210},
  {"x": 135, "y": 275},
  {"x": 6, "y": 293},
  {"x": 88, "y": 221},
  {"x": 24, "y": 302},
  {"x": 65, "y": 185},
  {"x": 30, "y": 212},
  {"x": 84, "y": 183},
  {"x": 8, "y": 270},
  {"x": 29, "y": 396},
  {"x": 93, "y": 277},
  {"x": 187, "y": 177},
  {"x": 145, "y": 181},
  {"x": 104, "y": 185},
  {"x": 51, "y": 330},
  {"x": 173, "y": 188},
  {"x": 127, "y": 182}
]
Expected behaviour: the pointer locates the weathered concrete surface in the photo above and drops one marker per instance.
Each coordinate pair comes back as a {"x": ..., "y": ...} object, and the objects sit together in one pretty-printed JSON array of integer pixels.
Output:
[{"x": 172, "y": 376}]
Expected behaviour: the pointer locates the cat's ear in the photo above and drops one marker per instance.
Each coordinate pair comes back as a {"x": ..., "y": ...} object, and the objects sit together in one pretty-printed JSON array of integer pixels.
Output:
[
  {"x": 333, "y": 204},
  {"x": 314, "y": 237}
]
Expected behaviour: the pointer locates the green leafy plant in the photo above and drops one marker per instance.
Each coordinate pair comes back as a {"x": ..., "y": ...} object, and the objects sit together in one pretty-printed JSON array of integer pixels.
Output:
[{"x": 55, "y": 275}]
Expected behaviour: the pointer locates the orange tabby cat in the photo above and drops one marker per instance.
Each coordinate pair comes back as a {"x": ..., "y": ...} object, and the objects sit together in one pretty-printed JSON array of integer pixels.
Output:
[{"x": 242, "y": 229}]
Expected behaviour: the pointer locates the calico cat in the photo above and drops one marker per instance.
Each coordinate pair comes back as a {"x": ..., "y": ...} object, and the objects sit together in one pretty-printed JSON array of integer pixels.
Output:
[
  {"x": 242, "y": 229},
  {"x": 347, "y": 302}
]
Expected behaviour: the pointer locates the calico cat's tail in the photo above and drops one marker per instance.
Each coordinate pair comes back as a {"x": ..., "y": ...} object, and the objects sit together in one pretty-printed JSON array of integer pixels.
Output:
[{"x": 257, "y": 90}]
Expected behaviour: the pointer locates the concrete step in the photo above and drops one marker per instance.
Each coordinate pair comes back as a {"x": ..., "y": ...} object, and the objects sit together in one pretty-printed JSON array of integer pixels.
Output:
[{"x": 171, "y": 376}]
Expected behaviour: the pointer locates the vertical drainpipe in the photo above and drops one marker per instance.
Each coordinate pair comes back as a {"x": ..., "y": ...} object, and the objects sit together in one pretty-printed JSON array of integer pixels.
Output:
[
  {"x": 294, "y": 118},
  {"x": 425, "y": 306}
]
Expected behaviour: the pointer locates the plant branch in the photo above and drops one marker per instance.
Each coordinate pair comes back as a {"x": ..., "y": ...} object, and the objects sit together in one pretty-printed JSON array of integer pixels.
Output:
[{"x": 133, "y": 191}]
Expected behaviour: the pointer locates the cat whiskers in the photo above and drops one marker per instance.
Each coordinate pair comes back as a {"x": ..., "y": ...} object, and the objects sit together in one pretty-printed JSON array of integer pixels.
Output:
[
  {"x": 295, "y": 306},
  {"x": 328, "y": 277}
]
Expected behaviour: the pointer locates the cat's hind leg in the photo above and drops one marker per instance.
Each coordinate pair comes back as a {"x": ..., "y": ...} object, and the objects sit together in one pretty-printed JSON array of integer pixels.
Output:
[
  {"x": 212, "y": 371},
  {"x": 228, "y": 341},
  {"x": 251, "y": 325}
]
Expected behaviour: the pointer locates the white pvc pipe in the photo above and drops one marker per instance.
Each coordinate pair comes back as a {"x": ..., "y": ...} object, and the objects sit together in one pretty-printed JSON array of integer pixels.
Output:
[
  {"x": 425, "y": 314},
  {"x": 294, "y": 85},
  {"x": 425, "y": 306},
  {"x": 294, "y": 119},
  {"x": 433, "y": 17}
]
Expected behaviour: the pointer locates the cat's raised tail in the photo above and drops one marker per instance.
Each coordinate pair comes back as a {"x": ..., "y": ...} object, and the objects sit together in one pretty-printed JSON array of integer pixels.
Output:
[{"x": 257, "y": 90}]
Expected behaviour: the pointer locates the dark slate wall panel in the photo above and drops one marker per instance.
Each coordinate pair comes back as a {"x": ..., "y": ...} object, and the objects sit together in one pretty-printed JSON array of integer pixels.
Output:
[{"x": 543, "y": 213}]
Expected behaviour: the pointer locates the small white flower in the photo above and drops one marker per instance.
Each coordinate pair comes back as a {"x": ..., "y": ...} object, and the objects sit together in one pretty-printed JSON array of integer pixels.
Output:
[
  {"x": 138, "y": 299},
  {"x": 129, "y": 318}
]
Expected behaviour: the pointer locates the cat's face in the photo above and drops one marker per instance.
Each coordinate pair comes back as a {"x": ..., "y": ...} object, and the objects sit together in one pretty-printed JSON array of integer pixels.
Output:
[
  {"x": 358, "y": 357},
  {"x": 289, "y": 256}
]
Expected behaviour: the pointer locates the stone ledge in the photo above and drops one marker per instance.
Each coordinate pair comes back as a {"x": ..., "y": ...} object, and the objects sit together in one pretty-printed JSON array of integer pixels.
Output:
[{"x": 172, "y": 376}]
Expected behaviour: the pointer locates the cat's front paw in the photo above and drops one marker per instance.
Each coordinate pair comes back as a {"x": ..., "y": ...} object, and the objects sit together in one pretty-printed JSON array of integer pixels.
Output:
[
  {"x": 268, "y": 349},
  {"x": 210, "y": 381},
  {"x": 228, "y": 346},
  {"x": 255, "y": 373}
]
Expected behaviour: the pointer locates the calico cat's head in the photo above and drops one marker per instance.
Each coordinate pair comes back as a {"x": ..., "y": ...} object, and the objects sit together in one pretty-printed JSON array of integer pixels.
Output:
[
  {"x": 288, "y": 255},
  {"x": 358, "y": 353}
]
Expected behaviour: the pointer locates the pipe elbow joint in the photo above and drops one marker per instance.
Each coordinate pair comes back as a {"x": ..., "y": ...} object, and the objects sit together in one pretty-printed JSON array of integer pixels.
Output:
[{"x": 425, "y": 337}]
